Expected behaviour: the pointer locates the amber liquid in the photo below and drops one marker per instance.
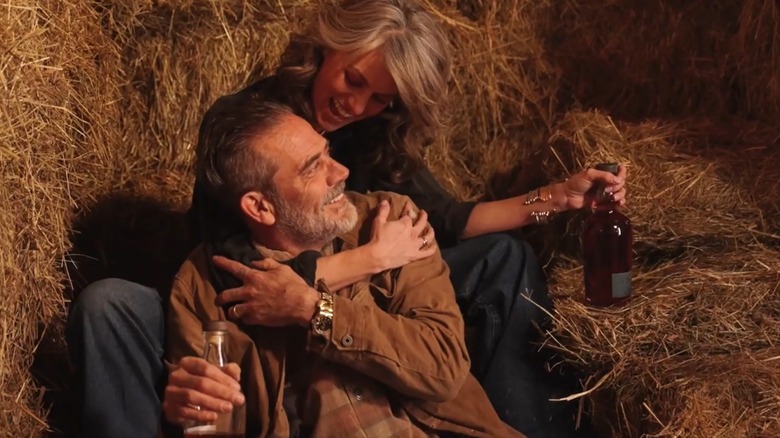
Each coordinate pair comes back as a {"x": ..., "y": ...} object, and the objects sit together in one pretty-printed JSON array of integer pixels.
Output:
[{"x": 607, "y": 245}]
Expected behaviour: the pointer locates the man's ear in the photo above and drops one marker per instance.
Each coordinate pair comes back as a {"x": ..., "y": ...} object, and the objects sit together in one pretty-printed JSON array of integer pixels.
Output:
[{"x": 258, "y": 208}]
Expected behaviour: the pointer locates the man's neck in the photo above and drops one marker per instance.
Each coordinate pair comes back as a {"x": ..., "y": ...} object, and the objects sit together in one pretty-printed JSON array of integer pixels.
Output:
[{"x": 281, "y": 248}]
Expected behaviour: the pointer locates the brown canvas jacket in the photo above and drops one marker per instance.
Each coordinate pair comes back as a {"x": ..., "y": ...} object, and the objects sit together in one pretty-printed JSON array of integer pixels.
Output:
[{"x": 402, "y": 329}]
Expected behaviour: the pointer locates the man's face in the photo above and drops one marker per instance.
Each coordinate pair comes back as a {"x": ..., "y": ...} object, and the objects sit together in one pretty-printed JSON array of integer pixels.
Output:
[{"x": 308, "y": 187}]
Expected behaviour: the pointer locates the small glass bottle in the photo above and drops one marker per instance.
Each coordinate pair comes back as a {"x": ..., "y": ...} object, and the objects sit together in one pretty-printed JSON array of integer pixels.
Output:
[
  {"x": 231, "y": 424},
  {"x": 607, "y": 246}
]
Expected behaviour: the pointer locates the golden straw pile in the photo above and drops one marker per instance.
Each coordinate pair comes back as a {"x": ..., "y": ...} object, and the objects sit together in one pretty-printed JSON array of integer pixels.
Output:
[{"x": 101, "y": 100}]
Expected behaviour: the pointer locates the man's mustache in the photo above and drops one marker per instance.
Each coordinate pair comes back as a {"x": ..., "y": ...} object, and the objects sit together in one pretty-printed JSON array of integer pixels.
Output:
[{"x": 335, "y": 192}]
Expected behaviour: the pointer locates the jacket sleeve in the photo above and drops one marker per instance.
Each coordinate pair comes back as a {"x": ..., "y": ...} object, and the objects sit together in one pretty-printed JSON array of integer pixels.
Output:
[
  {"x": 404, "y": 330},
  {"x": 186, "y": 313},
  {"x": 447, "y": 215}
]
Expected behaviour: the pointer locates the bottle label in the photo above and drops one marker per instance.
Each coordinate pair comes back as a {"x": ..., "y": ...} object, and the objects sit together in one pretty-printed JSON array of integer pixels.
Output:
[{"x": 621, "y": 284}]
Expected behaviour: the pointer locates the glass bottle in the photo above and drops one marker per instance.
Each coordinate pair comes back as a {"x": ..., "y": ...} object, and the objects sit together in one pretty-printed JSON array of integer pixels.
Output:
[
  {"x": 227, "y": 425},
  {"x": 607, "y": 244}
]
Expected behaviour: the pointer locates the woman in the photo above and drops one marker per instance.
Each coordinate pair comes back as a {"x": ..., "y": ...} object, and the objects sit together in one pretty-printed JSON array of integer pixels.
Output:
[{"x": 372, "y": 74}]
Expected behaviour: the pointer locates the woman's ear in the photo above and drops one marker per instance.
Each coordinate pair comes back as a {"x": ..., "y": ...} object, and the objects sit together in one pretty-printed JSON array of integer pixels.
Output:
[{"x": 258, "y": 208}]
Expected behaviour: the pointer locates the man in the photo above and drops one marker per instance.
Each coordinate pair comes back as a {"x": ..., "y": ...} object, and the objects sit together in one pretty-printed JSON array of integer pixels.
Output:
[{"x": 383, "y": 357}]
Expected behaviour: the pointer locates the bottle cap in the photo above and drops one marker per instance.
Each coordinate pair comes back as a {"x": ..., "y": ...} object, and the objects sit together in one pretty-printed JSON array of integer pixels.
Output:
[
  {"x": 215, "y": 326},
  {"x": 608, "y": 167}
]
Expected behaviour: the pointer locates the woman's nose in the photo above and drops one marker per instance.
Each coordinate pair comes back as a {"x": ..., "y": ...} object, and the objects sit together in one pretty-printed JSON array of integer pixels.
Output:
[{"x": 358, "y": 103}]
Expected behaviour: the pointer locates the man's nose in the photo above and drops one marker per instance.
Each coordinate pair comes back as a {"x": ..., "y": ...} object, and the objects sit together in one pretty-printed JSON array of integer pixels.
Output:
[{"x": 337, "y": 173}]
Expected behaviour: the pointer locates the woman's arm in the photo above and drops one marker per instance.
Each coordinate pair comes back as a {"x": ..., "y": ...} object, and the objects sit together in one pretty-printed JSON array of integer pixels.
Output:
[
  {"x": 511, "y": 213},
  {"x": 393, "y": 244}
]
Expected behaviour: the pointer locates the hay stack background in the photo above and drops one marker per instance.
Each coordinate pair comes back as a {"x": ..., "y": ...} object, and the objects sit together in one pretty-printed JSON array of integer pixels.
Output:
[{"x": 101, "y": 102}]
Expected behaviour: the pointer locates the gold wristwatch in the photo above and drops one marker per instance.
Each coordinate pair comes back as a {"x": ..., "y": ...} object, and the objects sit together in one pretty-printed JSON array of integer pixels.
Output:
[{"x": 323, "y": 317}]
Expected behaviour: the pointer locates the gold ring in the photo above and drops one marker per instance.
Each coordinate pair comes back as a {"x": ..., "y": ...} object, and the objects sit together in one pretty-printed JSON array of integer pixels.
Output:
[
  {"x": 235, "y": 312},
  {"x": 425, "y": 243}
]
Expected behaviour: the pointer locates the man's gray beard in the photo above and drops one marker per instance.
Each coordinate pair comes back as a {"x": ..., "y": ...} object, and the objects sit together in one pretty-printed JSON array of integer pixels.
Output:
[{"x": 313, "y": 229}]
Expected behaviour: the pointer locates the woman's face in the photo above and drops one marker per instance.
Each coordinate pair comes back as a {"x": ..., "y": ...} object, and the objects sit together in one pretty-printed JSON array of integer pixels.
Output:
[{"x": 351, "y": 87}]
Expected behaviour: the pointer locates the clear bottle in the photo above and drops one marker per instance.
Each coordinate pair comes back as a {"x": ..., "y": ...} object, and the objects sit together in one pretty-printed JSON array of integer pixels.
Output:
[
  {"x": 607, "y": 246},
  {"x": 228, "y": 425}
]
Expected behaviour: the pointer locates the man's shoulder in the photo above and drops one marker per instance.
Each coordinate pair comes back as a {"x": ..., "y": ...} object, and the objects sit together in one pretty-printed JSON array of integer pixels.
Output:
[
  {"x": 366, "y": 203},
  {"x": 194, "y": 267}
]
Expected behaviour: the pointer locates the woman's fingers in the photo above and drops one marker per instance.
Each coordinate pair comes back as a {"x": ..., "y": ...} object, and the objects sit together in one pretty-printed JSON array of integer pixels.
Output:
[{"x": 383, "y": 210}]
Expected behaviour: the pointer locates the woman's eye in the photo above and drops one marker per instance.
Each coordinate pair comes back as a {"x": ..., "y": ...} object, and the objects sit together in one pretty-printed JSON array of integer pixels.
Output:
[{"x": 351, "y": 79}]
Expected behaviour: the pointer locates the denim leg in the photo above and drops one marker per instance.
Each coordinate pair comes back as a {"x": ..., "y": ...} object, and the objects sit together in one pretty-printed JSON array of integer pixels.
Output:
[
  {"x": 115, "y": 336},
  {"x": 496, "y": 278}
]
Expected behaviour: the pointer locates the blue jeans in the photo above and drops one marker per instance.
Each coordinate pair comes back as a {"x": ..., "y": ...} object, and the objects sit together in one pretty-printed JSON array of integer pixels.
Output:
[
  {"x": 115, "y": 335},
  {"x": 491, "y": 275}
]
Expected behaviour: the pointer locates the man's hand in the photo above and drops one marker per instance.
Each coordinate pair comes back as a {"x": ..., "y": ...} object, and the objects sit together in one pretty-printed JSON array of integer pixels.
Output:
[
  {"x": 577, "y": 191},
  {"x": 395, "y": 243},
  {"x": 272, "y": 294},
  {"x": 199, "y": 391}
]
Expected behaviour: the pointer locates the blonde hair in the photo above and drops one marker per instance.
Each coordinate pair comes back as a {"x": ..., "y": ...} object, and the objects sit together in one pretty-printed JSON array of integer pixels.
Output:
[{"x": 417, "y": 55}]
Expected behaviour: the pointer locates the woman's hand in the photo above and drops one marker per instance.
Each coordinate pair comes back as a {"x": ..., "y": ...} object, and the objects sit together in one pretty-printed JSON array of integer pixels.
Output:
[
  {"x": 395, "y": 243},
  {"x": 199, "y": 391},
  {"x": 576, "y": 192}
]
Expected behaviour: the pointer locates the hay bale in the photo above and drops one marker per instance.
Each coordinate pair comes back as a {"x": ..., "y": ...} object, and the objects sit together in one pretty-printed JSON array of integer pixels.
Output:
[
  {"x": 179, "y": 57},
  {"x": 502, "y": 97},
  {"x": 706, "y": 282},
  {"x": 691, "y": 323},
  {"x": 110, "y": 112},
  {"x": 681, "y": 196},
  {"x": 55, "y": 98},
  {"x": 657, "y": 59}
]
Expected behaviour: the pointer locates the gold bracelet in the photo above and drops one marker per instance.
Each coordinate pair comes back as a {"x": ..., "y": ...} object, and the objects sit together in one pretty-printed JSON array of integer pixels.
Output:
[
  {"x": 531, "y": 197},
  {"x": 542, "y": 194}
]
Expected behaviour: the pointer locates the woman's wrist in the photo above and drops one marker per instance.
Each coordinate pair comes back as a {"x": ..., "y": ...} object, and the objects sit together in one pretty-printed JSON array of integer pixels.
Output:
[
  {"x": 369, "y": 256},
  {"x": 558, "y": 200}
]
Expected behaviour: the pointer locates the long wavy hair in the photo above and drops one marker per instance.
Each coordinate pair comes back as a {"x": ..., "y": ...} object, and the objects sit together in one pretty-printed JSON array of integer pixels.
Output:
[{"x": 417, "y": 55}]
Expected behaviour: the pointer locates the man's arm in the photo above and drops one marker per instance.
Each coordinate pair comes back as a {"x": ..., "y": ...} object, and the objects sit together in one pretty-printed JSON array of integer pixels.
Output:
[{"x": 196, "y": 390}]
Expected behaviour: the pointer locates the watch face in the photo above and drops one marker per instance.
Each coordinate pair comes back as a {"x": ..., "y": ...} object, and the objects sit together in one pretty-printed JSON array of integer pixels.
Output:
[{"x": 323, "y": 323}]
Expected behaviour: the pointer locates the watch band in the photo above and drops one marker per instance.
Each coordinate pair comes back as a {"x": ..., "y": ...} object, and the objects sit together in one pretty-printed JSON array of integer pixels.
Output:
[{"x": 322, "y": 321}]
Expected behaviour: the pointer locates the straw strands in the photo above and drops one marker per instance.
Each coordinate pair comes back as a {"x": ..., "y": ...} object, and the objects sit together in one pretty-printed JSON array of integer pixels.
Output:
[
  {"x": 706, "y": 281},
  {"x": 101, "y": 101}
]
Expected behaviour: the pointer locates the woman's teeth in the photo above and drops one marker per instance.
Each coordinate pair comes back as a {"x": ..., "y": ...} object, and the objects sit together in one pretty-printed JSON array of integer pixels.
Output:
[{"x": 340, "y": 111}]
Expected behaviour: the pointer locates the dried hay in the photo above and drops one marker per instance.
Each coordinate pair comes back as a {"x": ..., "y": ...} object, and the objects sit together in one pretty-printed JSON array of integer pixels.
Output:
[
  {"x": 503, "y": 94},
  {"x": 640, "y": 58},
  {"x": 102, "y": 100},
  {"x": 56, "y": 101},
  {"x": 692, "y": 354},
  {"x": 706, "y": 281},
  {"x": 682, "y": 196},
  {"x": 180, "y": 56}
]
